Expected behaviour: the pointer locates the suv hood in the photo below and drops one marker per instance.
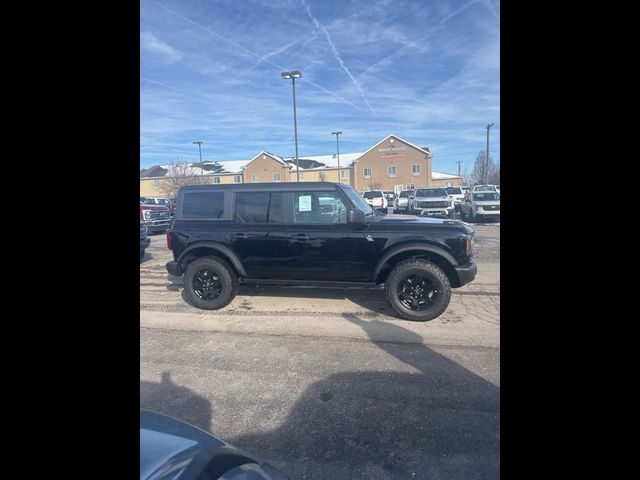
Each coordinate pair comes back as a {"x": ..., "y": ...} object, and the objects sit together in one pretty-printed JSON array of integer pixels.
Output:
[
  {"x": 399, "y": 222},
  {"x": 433, "y": 199}
]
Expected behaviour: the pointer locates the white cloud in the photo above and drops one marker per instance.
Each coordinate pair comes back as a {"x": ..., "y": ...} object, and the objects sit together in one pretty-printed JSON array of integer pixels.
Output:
[{"x": 150, "y": 43}]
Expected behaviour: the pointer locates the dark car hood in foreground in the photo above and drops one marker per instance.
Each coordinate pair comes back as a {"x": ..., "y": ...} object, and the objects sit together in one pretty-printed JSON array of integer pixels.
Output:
[
  {"x": 415, "y": 223},
  {"x": 173, "y": 450}
]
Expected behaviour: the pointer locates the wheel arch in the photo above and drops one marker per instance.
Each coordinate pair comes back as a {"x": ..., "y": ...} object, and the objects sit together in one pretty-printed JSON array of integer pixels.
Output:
[
  {"x": 213, "y": 249},
  {"x": 432, "y": 253}
]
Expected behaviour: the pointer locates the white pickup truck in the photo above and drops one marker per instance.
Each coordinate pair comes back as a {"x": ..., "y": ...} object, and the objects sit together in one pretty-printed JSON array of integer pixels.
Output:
[{"x": 480, "y": 205}]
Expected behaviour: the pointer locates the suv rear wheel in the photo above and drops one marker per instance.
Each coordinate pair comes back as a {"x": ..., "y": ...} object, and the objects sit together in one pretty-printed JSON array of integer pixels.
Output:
[
  {"x": 209, "y": 283},
  {"x": 418, "y": 290}
]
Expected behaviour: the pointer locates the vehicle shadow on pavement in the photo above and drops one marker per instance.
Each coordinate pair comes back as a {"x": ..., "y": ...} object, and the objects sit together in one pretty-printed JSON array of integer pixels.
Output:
[
  {"x": 179, "y": 402},
  {"x": 438, "y": 420}
]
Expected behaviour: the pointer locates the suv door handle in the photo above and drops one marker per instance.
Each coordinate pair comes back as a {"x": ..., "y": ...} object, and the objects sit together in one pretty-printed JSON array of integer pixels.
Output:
[
  {"x": 239, "y": 235},
  {"x": 301, "y": 236}
]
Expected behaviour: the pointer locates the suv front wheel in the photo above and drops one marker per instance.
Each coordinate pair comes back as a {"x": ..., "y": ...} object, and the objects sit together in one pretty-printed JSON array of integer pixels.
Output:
[
  {"x": 418, "y": 290},
  {"x": 209, "y": 283}
]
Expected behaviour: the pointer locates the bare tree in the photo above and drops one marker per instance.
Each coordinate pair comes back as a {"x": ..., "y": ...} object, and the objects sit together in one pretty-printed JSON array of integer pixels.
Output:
[
  {"x": 494, "y": 174},
  {"x": 484, "y": 172},
  {"x": 179, "y": 175}
]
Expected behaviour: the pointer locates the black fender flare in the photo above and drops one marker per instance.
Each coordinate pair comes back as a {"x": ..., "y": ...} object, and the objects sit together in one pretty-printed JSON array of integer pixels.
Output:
[
  {"x": 412, "y": 246},
  {"x": 219, "y": 247}
]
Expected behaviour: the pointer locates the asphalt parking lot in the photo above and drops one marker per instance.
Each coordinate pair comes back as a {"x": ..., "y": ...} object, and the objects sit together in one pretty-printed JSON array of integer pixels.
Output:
[{"x": 327, "y": 383}]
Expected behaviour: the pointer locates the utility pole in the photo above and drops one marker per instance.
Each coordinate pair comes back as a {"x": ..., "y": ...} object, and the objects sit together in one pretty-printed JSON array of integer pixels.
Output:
[
  {"x": 338, "y": 150},
  {"x": 486, "y": 156},
  {"x": 459, "y": 163},
  {"x": 199, "y": 143}
]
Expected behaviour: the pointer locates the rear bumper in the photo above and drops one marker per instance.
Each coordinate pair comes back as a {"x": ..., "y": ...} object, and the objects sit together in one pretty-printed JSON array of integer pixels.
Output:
[
  {"x": 174, "y": 268},
  {"x": 466, "y": 273}
]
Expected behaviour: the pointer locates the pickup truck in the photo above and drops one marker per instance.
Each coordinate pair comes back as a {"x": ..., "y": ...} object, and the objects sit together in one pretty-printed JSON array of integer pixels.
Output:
[{"x": 157, "y": 217}]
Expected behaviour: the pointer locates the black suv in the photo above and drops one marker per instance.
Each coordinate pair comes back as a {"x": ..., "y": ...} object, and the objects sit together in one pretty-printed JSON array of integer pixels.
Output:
[{"x": 314, "y": 233}]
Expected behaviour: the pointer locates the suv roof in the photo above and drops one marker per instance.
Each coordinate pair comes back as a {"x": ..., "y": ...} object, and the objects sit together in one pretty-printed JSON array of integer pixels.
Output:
[{"x": 272, "y": 186}]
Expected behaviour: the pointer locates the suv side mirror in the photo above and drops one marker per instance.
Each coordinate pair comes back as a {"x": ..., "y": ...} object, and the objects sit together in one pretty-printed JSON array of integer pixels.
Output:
[{"x": 355, "y": 216}]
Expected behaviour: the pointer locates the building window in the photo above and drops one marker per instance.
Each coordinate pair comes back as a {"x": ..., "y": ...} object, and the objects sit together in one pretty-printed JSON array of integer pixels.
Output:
[
  {"x": 216, "y": 179},
  {"x": 344, "y": 174},
  {"x": 276, "y": 177},
  {"x": 322, "y": 176},
  {"x": 367, "y": 172},
  {"x": 448, "y": 184},
  {"x": 411, "y": 186},
  {"x": 392, "y": 171},
  {"x": 237, "y": 179},
  {"x": 254, "y": 177},
  {"x": 156, "y": 183},
  {"x": 416, "y": 169}
]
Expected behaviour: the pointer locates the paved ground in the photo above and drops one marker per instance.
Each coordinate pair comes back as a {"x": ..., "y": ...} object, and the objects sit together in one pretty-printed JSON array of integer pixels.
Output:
[{"x": 327, "y": 383}]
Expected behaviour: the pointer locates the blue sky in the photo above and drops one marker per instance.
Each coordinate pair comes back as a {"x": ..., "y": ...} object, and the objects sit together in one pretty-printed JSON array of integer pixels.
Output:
[{"x": 427, "y": 71}]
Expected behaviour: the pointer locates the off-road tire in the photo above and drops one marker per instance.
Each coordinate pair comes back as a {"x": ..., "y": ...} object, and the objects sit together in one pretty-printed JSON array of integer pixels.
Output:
[
  {"x": 226, "y": 276},
  {"x": 434, "y": 273}
]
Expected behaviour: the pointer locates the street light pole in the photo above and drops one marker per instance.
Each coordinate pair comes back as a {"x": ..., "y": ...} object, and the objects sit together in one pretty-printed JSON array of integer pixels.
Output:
[
  {"x": 486, "y": 157},
  {"x": 200, "y": 142},
  {"x": 293, "y": 75},
  {"x": 337, "y": 134}
]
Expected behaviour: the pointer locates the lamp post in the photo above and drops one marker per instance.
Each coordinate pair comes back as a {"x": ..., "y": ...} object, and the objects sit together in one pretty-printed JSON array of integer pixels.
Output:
[
  {"x": 337, "y": 134},
  {"x": 200, "y": 142},
  {"x": 486, "y": 156},
  {"x": 293, "y": 75}
]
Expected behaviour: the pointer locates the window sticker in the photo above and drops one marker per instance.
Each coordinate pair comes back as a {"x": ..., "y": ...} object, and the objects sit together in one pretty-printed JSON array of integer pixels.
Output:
[{"x": 304, "y": 203}]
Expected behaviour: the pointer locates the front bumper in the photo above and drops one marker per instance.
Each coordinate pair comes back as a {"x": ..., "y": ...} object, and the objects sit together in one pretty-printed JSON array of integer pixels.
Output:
[
  {"x": 159, "y": 225},
  {"x": 466, "y": 273},
  {"x": 174, "y": 268},
  {"x": 434, "y": 211},
  {"x": 488, "y": 213}
]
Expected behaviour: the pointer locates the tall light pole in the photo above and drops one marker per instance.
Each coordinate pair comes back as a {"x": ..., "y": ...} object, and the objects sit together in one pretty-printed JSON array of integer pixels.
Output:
[
  {"x": 486, "y": 156},
  {"x": 293, "y": 75},
  {"x": 337, "y": 134},
  {"x": 200, "y": 142}
]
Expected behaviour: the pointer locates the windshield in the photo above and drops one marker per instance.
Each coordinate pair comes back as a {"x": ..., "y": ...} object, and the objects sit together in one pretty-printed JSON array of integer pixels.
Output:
[
  {"x": 357, "y": 201},
  {"x": 370, "y": 195},
  {"x": 486, "y": 188},
  {"x": 453, "y": 191},
  {"x": 431, "y": 192},
  {"x": 406, "y": 193},
  {"x": 485, "y": 196}
]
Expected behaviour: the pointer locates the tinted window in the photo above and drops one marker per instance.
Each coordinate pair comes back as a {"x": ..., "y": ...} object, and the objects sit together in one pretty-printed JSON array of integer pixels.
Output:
[
  {"x": 374, "y": 194},
  {"x": 203, "y": 205},
  {"x": 259, "y": 207},
  {"x": 481, "y": 197},
  {"x": 318, "y": 208},
  {"x": 453, "y": 191},
  {"x": 431, "y": 192},
  {"x": 405, "y": 193}
]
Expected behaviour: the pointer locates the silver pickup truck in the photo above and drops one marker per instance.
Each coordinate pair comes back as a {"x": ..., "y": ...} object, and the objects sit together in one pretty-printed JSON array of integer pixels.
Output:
[{"x": 432, "y": 201}]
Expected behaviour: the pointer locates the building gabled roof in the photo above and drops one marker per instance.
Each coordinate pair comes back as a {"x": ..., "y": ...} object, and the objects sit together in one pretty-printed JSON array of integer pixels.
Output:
[{"x": 391, "y": 135}]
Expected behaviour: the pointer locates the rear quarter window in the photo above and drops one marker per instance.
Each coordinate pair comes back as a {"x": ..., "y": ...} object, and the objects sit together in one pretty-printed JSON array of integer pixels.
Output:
[{"x": 203, "y": 205}]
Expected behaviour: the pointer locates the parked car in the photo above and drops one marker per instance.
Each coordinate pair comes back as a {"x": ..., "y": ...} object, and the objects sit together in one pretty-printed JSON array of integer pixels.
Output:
[
  {"x": 317, "y": 234},
  {"x": 144, "y": 240},
  {"x": 402, "y": 201},
  {"x": 432, "y": 201},
  {"x": 485, "y": 188},
  {"x": 170, "y": 204},
  {"x": 376, "y": 199},
  {"x": 174, "y": 450},
  {"x": 157, "y": 217},
  {"x": 457, "y": 194},
  {"x": 479, "y": 205}
]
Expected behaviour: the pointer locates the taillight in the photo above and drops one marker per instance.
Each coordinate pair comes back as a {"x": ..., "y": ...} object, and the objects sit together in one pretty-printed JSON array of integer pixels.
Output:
[{"x": 170, "y": 239}]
